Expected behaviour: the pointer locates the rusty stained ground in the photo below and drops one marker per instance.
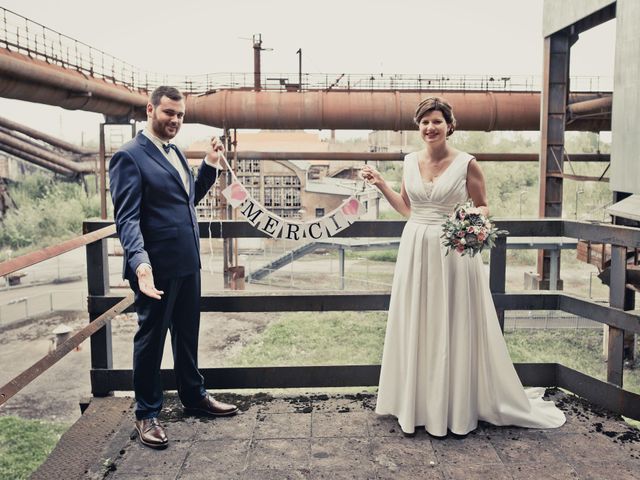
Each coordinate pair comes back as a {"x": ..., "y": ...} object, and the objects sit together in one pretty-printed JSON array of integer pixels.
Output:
[{"x": 321, "y": 436}]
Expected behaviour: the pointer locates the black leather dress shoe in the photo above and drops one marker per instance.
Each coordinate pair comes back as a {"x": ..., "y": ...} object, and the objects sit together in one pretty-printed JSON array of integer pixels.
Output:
[
  {"x": 151, "y": 433},
  {"x": 210, "y": 406}
]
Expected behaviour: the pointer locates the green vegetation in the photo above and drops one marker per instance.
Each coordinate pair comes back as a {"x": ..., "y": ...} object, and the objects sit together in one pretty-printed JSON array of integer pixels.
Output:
[
  {"x": 357, "y": 338},
  {"x": 25, "y": 444},
  {"x": 376, "y": 255},
  {"x": 48, "y": 212},
  {"x": 323, "y": 339},
  {"x": 577, "y": 349},
  {"x": 512, "y": 188}
]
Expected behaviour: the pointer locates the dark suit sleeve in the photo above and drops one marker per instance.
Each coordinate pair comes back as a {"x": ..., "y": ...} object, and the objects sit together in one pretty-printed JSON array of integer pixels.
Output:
[
  {"x": 126, "y": 193},
  {"x": 206, "y": 178}
]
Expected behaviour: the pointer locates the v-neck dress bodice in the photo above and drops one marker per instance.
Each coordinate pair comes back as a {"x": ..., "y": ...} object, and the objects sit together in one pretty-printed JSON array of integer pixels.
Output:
[
  {"x": 445, "y": 363},
  {"x": 431, "y": 201}
]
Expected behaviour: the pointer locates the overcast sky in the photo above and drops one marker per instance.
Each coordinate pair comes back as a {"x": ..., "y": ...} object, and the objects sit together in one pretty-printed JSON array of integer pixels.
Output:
[{"x": 471, "y": 37}]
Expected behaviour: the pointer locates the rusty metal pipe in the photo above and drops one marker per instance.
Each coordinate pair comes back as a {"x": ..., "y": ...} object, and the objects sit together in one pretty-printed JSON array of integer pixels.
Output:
[
  {"x": 370, "y": 110},
  {"x": 51, "y": 140},
  {"x": 37, "y": 81},
  {"x": 590, "y": 107},
  {"x": 36, "y": 160},
  {"x": 19, "y": 144}
]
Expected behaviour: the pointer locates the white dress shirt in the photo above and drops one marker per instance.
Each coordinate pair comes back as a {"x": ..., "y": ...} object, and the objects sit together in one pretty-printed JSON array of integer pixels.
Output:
[{"x": 171, "y": 156}]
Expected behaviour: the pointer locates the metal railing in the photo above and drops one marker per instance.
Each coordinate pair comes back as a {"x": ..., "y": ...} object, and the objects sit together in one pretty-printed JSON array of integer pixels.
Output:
[
  {"x": 22, "y": 35},
  {"x": 103, "y": 307},
  {"x": 610, "y": 394}
]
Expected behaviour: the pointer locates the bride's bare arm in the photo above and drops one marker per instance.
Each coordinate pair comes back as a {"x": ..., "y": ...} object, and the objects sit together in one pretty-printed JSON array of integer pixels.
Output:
[
  {"x": 476, "y": 187},
  {"x": 399, "y": 201}
]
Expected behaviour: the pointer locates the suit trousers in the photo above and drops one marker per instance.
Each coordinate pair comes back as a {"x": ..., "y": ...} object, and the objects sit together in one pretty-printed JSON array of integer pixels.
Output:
[{"x": 179, "y": 312}]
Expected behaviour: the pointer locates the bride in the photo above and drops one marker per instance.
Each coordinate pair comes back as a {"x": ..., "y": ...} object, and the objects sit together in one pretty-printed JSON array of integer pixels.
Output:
[{"x": 445, "y": 363}]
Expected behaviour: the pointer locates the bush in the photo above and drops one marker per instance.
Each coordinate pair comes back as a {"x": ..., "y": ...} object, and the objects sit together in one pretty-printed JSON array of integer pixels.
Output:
[{"x": 47, "y": 211}]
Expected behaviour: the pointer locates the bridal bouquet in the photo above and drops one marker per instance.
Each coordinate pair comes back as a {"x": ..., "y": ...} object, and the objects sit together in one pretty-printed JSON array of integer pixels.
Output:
[{"x": 467, "y": 231}]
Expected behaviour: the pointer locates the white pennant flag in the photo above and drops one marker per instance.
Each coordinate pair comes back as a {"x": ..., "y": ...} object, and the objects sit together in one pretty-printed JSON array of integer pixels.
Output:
[
  {"x": 352, "y": 209},
  {"x": 235, "y": 194}
]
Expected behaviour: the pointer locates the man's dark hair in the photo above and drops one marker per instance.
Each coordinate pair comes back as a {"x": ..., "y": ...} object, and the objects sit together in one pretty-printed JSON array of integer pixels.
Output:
[{"x": 165, "y": 91}]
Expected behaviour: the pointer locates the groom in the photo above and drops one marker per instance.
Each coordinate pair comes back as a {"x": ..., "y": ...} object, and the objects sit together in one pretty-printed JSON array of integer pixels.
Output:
[{"x": 154, "y": 196}]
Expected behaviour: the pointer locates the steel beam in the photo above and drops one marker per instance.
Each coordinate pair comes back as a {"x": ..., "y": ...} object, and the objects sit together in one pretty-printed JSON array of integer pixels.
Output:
[
  {"x": 498, "y": 269},
  {"x": 615, "y": 338},
  {"x": 555, "y": 91},
  {"x": 98, "y": 285}
]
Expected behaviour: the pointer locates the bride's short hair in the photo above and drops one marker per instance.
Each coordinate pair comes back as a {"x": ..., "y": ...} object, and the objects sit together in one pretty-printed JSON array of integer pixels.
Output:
[{"x": 432, "y": 104}]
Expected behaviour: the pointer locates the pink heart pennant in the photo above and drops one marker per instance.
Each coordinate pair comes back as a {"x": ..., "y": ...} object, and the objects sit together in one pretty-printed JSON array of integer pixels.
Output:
[
  {"x": 238, "y": 192},
  {"x": 351, "y": 207},
  {"x": 235, "y": 194}
]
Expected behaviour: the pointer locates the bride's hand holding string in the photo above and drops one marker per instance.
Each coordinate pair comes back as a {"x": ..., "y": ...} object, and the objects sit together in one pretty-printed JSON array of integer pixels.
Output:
[{"x": 372, "y": 176}]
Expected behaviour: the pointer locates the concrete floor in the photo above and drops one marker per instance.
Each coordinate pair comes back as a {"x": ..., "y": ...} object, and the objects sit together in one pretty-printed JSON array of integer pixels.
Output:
[{"x": 319, "y": 436}]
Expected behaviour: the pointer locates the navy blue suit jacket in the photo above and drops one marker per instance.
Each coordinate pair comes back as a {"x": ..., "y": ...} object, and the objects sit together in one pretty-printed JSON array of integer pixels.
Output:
[{"x": 155, "y": 217}]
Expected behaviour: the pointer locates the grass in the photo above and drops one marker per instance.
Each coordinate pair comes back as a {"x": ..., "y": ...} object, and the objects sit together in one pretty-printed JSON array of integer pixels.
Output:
[
  {"x": 356, "y": 338},
  {"x": 577, "y": 349},
  {"x": 25, "y": 444},
  {"x": 390, "y": 255},
  {"x": 322, "y": 339}
]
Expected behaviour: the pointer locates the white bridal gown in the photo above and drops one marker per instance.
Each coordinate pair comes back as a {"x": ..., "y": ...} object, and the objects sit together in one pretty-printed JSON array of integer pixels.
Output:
[{"x": 445, "y": 363}]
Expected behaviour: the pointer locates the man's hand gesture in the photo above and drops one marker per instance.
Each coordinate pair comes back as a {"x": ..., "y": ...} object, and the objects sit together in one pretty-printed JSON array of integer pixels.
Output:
[
  {"x": 145, "y": 282},
  {"x": 214, "y": 150}
]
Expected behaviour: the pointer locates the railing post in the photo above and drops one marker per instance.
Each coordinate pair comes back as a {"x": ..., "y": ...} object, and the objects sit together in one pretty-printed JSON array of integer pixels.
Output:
[
  {"x": 98, "y": 285},
  {"x": 342, "y": 269},
  {"x": 615, "y": 344},
  {"x": 102, "y": 173},
  {"x": 498, "y": 273}
]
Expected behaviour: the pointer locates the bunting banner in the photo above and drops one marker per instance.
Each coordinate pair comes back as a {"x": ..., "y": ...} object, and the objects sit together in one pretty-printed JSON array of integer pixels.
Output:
[{"x": 278, "y": 227}]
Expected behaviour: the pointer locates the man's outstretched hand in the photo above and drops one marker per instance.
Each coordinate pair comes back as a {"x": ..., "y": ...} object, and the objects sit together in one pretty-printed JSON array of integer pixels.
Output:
[{"x": 145, "y": 282}]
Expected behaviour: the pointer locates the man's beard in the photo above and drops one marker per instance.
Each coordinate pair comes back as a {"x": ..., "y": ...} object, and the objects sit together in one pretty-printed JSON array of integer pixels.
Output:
[{"x": 160, "y": 128}]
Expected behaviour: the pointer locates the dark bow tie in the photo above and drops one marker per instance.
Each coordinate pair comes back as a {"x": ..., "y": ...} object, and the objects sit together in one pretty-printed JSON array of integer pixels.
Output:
[{"x": 168, "y": 146}]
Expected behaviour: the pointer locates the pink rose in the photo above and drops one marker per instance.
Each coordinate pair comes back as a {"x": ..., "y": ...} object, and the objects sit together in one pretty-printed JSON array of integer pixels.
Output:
[
  {"x": 471, "y": 229},
  {"x": 481, "y": 236}
]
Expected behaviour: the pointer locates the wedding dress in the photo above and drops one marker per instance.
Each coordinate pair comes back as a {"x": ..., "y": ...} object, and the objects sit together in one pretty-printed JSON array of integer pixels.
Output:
[{"x": 445, "y": 363}]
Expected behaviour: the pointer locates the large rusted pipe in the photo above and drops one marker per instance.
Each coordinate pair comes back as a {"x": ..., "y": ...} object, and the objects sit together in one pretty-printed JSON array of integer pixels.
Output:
[
  {"x": 26, "y": 147},
  {"x": 36, "y": 160},
  {"x": 33, "y": 80},
  {"x": 37, "y": 81},
  {"x": 51, "y": 140},
  {"x": 370, "y": 110},
  {"x": 590, "y": 107}
]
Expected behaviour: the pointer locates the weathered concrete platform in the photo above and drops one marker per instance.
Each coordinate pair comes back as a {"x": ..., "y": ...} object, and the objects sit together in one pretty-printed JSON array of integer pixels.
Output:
[{"x": 338, "y": 437}]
